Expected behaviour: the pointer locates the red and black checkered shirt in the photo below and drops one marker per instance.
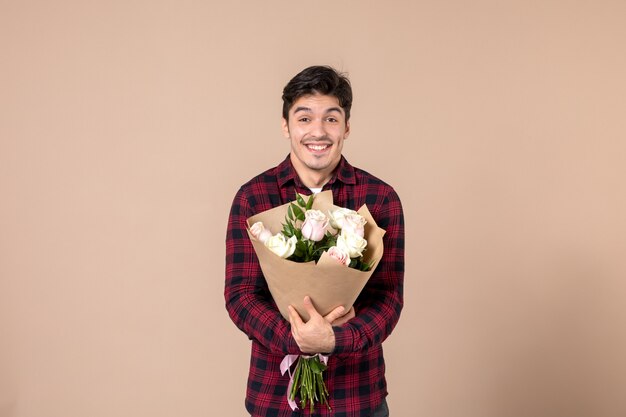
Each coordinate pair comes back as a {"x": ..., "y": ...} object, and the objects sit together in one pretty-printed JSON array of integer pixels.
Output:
[{"x": 356, "y": 369}]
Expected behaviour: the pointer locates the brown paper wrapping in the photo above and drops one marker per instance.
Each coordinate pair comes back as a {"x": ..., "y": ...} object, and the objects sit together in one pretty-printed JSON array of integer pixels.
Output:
[{"x": 328, "y": 283}]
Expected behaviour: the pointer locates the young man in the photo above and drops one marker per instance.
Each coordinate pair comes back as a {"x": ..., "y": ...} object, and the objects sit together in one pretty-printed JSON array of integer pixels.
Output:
[{"x": 316, "y": 121}]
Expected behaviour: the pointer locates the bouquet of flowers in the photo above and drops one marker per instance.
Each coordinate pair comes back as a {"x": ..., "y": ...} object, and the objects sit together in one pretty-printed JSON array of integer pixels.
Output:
[{"x": 332, "y": 251}]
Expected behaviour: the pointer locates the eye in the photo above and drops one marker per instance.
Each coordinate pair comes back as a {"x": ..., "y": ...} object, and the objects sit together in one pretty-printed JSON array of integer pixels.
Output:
[
  {"x": 304, "y": 119},
  {"x": 332, "y": 119}
]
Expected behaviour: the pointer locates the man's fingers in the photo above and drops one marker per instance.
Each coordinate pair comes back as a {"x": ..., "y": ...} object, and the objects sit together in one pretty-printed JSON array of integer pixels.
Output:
[
  {"x": 309, "y": 307},
  {"x": 335, "y": 314},
  {"x": 294, "y": 317},
  {"x": 345, "y": 318}
]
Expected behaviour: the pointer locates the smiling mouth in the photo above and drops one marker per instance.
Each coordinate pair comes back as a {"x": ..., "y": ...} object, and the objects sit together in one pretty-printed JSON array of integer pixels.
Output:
[{"x": 317, "y": 148}]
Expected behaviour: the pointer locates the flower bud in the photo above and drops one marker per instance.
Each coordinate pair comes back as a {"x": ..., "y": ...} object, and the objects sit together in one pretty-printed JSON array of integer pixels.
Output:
[
  {"x": 340, "y": 255},
  {"x": 314, "y": 226},
  {"x": 350, "y": 220},
  {"x": 351, "y": 243},
  {"x": 259, "y": 231},
  {"x": 281, "y": 246}
]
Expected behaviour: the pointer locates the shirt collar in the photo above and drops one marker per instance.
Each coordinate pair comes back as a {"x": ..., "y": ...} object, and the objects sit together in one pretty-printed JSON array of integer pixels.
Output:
[{"x": 344, "y": 173}]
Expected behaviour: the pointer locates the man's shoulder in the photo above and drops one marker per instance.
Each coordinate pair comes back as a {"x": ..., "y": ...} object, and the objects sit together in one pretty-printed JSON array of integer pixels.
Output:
[
  {"x": 265, "y": 178},
  {"x": 366, "y": 176},
  {"x": 367, "y": 179},
  {"x": 259, "y": 193},
  {"x": 268, "y": 178}
]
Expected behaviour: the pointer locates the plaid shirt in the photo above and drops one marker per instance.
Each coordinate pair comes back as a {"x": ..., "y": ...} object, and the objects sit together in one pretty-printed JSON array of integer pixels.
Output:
[{"x": 356, "y": 369}]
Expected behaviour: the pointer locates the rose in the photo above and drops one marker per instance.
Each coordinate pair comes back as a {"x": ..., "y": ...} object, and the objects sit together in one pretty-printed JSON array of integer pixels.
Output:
[
  {"x": 259, "y": 231},
  {"x": 349, "y": 220},
  {"x": 351, "y": 243},
  {"x": 340, "y": 255},
  {"x": 354, "y": 223},
  {"x": 336, "y": 216},
  {"x": 281, "y": 246},
  {"x": 314, "y": 226}
]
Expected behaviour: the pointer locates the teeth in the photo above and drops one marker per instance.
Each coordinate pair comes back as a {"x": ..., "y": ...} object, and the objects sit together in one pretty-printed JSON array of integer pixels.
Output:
[{"x": 318, "y": 147}]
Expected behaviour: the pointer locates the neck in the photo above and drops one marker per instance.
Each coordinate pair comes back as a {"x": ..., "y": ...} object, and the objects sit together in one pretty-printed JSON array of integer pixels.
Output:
[{"x": 313, "y": 178}]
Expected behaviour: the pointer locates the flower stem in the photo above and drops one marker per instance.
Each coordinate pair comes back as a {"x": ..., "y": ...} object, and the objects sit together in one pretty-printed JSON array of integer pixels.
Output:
[{"x": 308, "y": 381}]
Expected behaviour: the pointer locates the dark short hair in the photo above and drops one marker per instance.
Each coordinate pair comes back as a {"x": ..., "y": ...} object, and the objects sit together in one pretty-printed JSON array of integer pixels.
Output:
[{"x": 318, "y": 79}]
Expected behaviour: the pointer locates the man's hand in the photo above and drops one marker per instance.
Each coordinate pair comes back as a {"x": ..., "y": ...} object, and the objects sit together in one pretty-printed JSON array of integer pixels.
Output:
[
  {"x": 345, "y": 318},
  {"x": 316, "y": 335}
]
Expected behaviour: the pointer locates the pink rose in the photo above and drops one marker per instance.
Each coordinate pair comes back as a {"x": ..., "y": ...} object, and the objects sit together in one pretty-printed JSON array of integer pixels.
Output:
[
  {"x": 340, "y": 255},
  {"x": 354, "y": 223},
  {"x": 259, "y": 231},
  {"x": 350, "y": 220},
  {"x": 314, "y": 226}
]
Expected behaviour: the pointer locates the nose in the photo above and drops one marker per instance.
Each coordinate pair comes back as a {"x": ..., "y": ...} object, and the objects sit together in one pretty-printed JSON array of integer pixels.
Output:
[{"x": 318, "y": 128}]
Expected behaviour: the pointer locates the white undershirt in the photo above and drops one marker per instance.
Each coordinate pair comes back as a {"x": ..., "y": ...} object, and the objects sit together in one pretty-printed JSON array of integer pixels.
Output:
[{"x": 315, "y": 190}]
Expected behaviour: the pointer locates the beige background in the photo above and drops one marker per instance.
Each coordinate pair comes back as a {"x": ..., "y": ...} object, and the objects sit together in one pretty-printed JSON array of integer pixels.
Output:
[{"x": 127, "y": 126}]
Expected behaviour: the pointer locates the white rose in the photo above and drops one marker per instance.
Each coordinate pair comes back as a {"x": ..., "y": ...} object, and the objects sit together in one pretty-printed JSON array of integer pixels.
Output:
[
  {"x": 354, "y": 223},
  {"x": 343, "y": 218},
  {"x": 351, "y": 243},
  {"x": 259, "y": 231},
  {"x": 281, "y": 246},
  {"x": 336, "y": 216},
  {"x": 340, "y": 255}
]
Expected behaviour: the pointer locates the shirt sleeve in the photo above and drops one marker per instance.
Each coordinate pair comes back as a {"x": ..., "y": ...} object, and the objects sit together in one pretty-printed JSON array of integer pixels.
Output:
[
  {"x": 380, "y": 303},
  {"x": 248, "y": 300}
]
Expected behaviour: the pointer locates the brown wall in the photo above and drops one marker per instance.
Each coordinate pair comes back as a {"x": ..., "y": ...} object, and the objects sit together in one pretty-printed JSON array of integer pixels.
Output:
[{"x": 127, "y": 126}]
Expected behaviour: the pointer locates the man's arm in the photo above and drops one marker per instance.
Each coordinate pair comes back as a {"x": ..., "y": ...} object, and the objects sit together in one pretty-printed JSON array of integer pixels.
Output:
[
  {"x": 317, "y": 334},
  {"x": 380, "y": 303},
  {"x": 248, "y": 300}
]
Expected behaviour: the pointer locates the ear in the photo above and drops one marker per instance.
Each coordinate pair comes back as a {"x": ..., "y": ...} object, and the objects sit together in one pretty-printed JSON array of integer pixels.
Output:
[
  {"x": 285, "y": 126},
  {"x": 347, "y": 133}
]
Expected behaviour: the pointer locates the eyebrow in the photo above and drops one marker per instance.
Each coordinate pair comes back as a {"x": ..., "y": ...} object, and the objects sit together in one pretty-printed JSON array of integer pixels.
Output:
[{"x": 308, "y": 109}]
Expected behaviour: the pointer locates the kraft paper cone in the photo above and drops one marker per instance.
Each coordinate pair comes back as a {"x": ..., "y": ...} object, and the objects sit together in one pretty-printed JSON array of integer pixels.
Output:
[{"x": 328, "y": 283}]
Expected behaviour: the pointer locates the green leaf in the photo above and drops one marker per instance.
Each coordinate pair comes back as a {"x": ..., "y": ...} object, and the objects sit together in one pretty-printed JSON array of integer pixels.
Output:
[
  {"x": 317, "y": 366},
  {"x": 290, "y": 213},
  {"x": 297, "y": 211},
  {"x": 300, "y": 201},
  {"x": 358, "y": 264},
  {"x": 309, "y": 203}
]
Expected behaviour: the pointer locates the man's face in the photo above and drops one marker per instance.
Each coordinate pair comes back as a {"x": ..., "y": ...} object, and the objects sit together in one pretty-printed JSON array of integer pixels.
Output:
[{"x": 316, "y": 127}]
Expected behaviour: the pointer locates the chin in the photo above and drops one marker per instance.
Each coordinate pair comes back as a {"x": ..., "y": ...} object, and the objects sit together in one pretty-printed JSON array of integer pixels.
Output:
[{"x": 316, "y": 167}]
